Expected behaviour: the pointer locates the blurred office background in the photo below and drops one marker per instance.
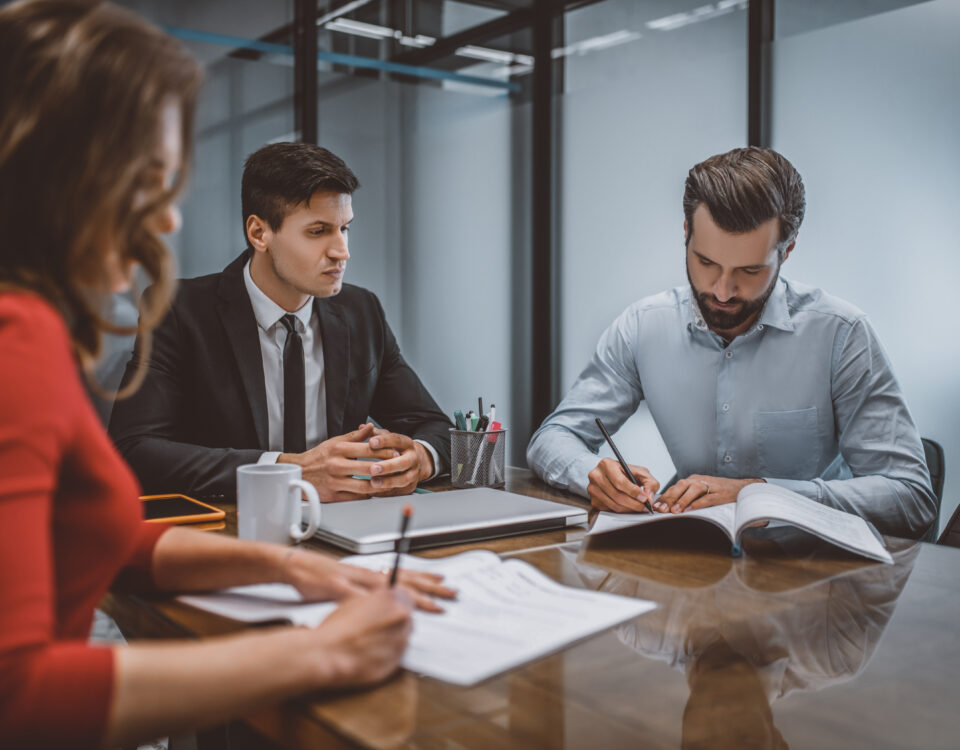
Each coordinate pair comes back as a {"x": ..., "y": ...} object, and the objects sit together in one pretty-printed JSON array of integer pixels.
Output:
[{"x": 522, "y": 176}]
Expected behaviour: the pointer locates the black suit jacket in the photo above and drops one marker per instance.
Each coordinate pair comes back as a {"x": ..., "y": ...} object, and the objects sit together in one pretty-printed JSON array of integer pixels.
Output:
[{"x": 202, "y": 410}]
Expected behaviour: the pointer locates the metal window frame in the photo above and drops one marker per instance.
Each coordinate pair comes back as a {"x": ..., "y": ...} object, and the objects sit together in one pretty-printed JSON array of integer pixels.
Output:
[
  {"x": 544, "y": 18},
  {"x": 760, "y": 32}
]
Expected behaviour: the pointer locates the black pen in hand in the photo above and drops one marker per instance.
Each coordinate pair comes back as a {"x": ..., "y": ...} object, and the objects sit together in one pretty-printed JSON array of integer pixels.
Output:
[
  {"x": 623, "y": 464},
  {"x": 402, "y": 543}
]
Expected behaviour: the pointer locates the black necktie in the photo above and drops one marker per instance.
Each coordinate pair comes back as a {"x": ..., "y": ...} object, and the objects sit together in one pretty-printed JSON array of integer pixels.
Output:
[{"x": 294, "y": 400}]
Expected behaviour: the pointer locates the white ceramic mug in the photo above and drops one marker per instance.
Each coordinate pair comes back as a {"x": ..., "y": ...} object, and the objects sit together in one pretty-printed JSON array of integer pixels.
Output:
[{"x": 268, "y": 503}]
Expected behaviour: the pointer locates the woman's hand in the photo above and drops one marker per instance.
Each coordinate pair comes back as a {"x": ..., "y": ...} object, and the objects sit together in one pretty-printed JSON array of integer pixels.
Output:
[
  {"x": 319, "y": 577},
  {"x": 363, "y": 640}
]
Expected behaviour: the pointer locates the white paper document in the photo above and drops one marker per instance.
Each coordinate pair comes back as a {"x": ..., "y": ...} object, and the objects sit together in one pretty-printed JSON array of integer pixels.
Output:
[{"x": 507, "y": 613}]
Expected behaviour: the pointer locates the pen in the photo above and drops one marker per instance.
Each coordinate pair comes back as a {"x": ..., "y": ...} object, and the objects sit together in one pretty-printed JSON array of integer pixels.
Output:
[
  {"x": 480, "y": 405},
  {"x": 402, "y": 543},
  {"x": 494, "y": 428},
  {"x": 460, "y": 420},
  {"x": 623, "y": 464}
]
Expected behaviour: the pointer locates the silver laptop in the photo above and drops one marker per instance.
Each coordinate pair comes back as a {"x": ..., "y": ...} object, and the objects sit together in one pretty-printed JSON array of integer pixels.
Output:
[{"x": 440, "y": 518}]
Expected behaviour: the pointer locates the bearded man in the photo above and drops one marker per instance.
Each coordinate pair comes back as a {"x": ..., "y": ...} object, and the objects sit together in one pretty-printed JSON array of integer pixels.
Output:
[{"x": 749, "y": 377}]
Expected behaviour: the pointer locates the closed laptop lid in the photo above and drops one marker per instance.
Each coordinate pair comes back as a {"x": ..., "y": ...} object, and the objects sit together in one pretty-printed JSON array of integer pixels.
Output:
[{"x": 440, "y": 518}]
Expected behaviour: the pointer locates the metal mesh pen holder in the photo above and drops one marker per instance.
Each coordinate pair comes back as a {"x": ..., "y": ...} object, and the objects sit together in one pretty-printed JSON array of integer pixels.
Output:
[{"x": 477, "y": 459}]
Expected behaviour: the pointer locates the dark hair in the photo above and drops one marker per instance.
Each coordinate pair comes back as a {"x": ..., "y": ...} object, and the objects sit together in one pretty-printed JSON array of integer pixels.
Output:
[
  {"x": 82, "y": 89},
  {"x": 280, "y": 176},
  {"x": 744, "y": 188}
]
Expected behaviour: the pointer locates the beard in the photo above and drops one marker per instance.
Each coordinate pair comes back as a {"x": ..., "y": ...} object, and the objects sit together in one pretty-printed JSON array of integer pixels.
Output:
[{"x": 727, "y": 320}]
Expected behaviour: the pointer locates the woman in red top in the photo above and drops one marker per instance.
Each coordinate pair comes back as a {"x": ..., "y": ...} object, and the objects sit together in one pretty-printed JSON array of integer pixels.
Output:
[{"x": 95, "y": 112}]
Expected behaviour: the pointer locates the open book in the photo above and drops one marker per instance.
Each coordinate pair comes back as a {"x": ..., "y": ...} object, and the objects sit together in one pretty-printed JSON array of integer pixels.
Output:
[
  {"x": 506, "y": 614},
  {"x": 768, "y": 502}
]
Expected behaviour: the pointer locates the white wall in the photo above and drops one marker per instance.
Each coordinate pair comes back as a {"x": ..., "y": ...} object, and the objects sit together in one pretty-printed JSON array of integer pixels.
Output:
[{"x": 869, "y": 113}]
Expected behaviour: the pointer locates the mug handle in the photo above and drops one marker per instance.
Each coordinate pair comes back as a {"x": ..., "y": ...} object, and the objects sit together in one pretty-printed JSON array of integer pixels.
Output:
[{"x": 297, "y": 533}]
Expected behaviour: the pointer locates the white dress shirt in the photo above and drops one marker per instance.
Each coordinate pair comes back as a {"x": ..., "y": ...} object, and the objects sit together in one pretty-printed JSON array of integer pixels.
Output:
[{"x": 273, "y": 335}]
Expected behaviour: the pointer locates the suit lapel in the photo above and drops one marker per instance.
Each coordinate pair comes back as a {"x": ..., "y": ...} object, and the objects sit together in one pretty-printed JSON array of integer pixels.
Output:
[
  {"x": 335, "y": 338},
  {"x": 236, "y": 314}
]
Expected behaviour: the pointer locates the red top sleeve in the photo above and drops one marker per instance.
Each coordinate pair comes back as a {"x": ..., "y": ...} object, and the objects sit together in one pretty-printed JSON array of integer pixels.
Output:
[{"x": 69, "y": 522}]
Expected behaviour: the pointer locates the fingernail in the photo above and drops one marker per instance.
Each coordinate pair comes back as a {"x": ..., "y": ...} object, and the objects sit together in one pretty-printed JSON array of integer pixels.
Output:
[
  {"x": 396, "y": 453},
  {"x": 376, "y": 469},
  {"x": 376, "y": 482},
  {"x": 375, "y": 442}
]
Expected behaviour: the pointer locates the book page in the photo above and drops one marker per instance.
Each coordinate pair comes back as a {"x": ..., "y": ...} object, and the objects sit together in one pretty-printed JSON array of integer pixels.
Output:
[
  {"x": 505, "y": 615},
  {"x": 719, "y": 515},
  {"x": 762, "y": 501}
]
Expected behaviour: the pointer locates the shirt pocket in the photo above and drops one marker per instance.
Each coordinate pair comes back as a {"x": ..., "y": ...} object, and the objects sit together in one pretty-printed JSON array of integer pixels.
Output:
[{"x": 788, "y": 444}]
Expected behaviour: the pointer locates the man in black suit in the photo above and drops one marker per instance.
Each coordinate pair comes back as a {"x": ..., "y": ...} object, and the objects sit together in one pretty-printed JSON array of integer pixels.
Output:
[{"x": 274, "y": 358}]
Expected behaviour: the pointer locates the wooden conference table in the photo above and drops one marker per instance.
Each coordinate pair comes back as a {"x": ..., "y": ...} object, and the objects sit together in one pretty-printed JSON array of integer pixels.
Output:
[{"x": 796, "y": 644}]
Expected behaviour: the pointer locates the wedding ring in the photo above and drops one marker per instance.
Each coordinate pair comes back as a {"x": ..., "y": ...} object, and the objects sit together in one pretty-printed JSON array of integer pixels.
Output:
[{"x": 707, "y": 486}]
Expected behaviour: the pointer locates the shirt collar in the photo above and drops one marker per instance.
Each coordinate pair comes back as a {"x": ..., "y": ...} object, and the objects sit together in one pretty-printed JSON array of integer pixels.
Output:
[
  {"x": 775, "y": 313},
  {"x": 690, "y": 310},
  {"x": 266, "y": 311}
]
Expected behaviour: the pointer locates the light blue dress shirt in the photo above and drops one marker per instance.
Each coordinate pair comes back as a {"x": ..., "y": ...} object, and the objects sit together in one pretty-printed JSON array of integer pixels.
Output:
[{"x": 806, "y": 398}]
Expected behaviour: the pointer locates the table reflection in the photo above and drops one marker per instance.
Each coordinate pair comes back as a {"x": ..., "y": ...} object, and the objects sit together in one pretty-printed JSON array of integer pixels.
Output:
[{"x": 741, "y": 647}]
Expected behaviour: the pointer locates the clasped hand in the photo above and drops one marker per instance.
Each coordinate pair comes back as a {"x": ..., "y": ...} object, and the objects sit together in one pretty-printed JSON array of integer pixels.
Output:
[{"x": 398, "y": 464}]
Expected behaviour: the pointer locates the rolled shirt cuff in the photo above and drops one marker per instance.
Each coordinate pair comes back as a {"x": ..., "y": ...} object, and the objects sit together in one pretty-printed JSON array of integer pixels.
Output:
[{"x": 268, "y": 457}]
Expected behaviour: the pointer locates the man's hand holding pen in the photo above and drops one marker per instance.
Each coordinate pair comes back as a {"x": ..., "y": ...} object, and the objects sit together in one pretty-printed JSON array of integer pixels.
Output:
[{"x": 611, "y": 490}]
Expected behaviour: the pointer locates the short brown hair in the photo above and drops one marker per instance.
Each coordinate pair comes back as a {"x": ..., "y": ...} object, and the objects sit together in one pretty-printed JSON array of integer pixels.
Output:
[
  {"x": 744, "y": 188},
  {"x": 82, "y": 88},
  {"x": 281, "y": 176}
]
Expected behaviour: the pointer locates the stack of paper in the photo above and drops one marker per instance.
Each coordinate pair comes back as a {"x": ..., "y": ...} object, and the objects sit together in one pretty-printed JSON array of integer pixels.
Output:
[{"x": 507, "y": 613}]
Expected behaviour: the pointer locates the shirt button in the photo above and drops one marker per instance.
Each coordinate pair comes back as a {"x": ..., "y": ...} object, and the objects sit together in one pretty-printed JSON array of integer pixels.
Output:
[
  {"x": 725, "y": 407},
  {"x": 728, "y": 355},
  {"x": 760, "y": 327},
  {"x": 727, "y": 459}
]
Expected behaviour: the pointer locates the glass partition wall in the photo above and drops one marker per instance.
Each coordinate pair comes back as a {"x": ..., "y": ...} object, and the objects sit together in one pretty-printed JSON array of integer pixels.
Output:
[
  {"x": 866, "y": 102},
  {"x": 522, "y": 166},
  {"x": 648, "y": 92}
]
